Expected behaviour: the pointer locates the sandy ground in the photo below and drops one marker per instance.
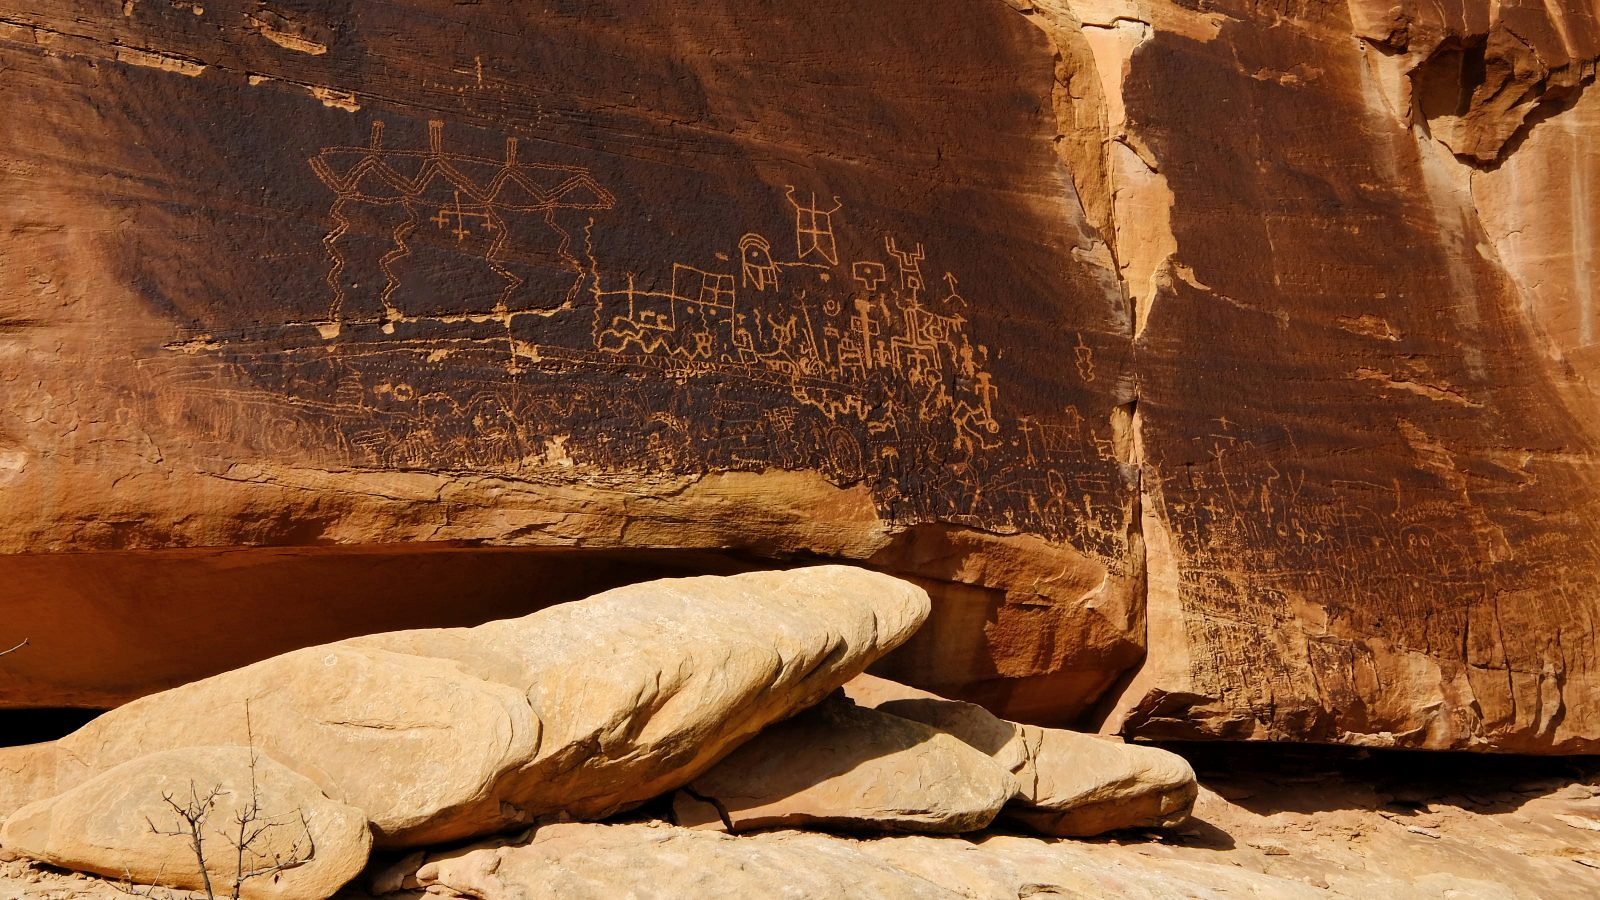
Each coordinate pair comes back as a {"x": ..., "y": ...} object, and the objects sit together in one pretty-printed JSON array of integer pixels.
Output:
[{"x": 1270, "y": 822}]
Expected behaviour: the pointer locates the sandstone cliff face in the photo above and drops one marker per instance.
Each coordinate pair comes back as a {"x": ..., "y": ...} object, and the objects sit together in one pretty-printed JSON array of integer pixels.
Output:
[
  {"x": 1368, "y": 450},
  {"x": 596, "y": 277},
  {"x": 1248, "y": 341}
]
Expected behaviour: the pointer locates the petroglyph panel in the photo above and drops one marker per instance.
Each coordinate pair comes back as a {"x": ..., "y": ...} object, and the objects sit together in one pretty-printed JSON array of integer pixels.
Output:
[
  {"x": 476, "y": 320},
  {"x": 562, "y": 259},
  {"x": 773, "y": 278},
  {"x": 516, "y": 272}
]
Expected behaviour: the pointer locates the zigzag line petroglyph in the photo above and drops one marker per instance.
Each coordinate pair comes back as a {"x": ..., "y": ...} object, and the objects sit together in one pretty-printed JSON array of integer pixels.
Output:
[{"x": 373, "y": 175}]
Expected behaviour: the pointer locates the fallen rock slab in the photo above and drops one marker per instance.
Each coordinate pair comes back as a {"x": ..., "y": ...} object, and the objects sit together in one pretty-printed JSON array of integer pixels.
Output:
[
  {"x": 970, "y": 722},
  {"x": 580, "y": 861},
  {"x": 581, "y": 709},
  {"x": 1068, "y": 784},
  {"x": 138, "y": 821},
  {"x": 1083, "y": 785},
  {"x": 839, "y": 765}
]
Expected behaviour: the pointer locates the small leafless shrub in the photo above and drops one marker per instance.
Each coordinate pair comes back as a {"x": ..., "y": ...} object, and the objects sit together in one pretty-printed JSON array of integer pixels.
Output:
[{"x": 244, "y": 835}]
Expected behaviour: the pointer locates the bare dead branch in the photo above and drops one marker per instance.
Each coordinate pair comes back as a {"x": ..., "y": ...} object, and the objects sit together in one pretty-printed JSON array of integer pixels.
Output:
[
  {"x": 246, "y": 833},
  {"x": 252, "y": 825},
  {"x": 126, "y": 886},
  {"x": 193, "y": 815},
  {"x": 14, "y": 649}
]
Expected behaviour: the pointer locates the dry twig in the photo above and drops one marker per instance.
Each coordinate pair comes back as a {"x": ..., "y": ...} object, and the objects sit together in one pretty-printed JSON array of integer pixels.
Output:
[{"x": 250, "y": 824}]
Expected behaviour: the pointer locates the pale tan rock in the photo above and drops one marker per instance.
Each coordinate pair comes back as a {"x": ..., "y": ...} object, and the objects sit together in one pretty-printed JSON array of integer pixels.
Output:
[
  {"x": 603, "y": 862},
  {"x": 1068, "y": 784},
  {"x": 840, "y": 765},
  {"x": 1083, "y": 785},
  {"x": 1342, "y": 842},
  {"x": 109, "y": 826},
  {"x": 27, "y": 773},
  {"x": 701, "y": 813},
  {"x": 401, "y": 737},
  {"x": 970, "y": 722},
  {"x": 583, "y": 709}
]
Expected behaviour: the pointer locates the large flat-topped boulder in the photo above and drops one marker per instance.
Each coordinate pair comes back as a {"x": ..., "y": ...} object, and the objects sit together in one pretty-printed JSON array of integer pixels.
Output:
[{"x": 579, "y": 710}]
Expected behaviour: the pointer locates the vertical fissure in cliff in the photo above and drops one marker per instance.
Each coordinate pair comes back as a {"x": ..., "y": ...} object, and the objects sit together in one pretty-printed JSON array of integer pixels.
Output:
[{"x": 1125, "y": 198}]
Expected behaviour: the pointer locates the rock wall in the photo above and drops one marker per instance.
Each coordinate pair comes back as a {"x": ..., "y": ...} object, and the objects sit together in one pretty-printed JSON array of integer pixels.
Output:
[
  {"x": 1221, "y": 370},
  {"x": 1367, "y": 434}
]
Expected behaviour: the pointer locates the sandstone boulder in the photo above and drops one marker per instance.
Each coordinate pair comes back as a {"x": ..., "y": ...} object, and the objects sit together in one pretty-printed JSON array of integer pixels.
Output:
[
  {"x": 27, "y": 773},
  {"x": 602, "y": 862},
  {"x": 297, "y": 844},
  {"x": 1068, "y": 784},
  {"x": 970, "y": 722},
  {"x": 1082, "y": 785},
  {"x": 843, "y": 766},
  {"x": 580, "y": 709}
]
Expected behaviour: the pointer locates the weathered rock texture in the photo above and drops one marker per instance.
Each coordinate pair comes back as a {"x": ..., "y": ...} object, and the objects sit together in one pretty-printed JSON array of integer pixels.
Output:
[
  {"x": 1254, "y": 336},
  {"x": 1366, "y": 471},
  {"x": 1290, "y": 831},
  {"x": 27, "y": 773},
  {"x": 582, "y": 709},
  {"x": 1067, "y": 784},
  {"x": 842, "y": 766},
  {"x": 261, "y": 826},
  {"x": 602, "y": 861}
]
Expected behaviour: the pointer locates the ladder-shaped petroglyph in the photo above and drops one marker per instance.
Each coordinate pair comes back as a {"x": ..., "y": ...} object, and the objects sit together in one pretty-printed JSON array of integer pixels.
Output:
[{"x": 500, "y": 212}]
